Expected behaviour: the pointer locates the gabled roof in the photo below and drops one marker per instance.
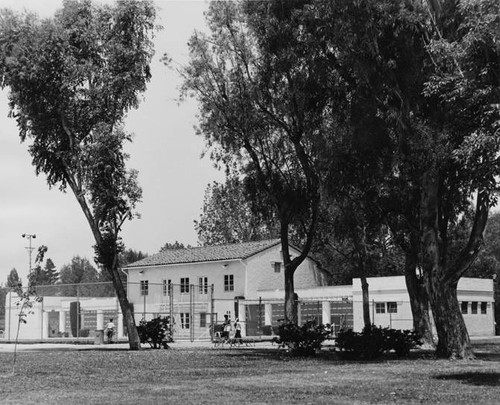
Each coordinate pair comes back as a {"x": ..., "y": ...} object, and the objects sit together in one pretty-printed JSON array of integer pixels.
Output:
[{"x": 206, "y": 253}]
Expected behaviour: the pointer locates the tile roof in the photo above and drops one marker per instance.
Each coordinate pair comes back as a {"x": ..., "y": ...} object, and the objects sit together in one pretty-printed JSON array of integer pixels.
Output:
[{"x": 206, "y": 253}]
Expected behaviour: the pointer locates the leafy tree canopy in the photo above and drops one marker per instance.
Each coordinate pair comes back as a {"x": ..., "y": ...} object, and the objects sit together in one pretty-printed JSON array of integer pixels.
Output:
[
  {"x": 13, "y": 280},
  {"x": 229, "y": 215},
  {"x": 71, "y": 80}
]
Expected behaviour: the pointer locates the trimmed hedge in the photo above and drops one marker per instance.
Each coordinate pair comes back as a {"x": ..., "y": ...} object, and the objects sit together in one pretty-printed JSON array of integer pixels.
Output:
[
  {"x": 302, "y": 340},
  {"x": 374, "y": 341},
  {"x": 84, "y": 332}
]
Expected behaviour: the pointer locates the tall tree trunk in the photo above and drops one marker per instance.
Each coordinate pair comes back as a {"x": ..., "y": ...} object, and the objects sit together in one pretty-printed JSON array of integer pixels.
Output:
[
  {"x": 128, "y": 317},
  {"x": 441, "y": 283},
  {"x": 112, "y": 268},
  {"x": 453, "y": 338},
  {"x": 366, "y": 301},
  {"x": 417, "y": 291},
  {"x": 363, "y": 260},
  {"x": 420, "y": 307},
  {"x": 291, "y": 309}
]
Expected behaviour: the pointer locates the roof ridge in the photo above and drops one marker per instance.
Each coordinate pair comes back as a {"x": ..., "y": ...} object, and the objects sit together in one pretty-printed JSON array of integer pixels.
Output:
[{"x": 228, "y": 251}]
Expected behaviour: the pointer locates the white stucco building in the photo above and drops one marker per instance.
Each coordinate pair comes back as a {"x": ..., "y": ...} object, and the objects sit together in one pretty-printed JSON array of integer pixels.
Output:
[
  {"x": 50, "y": 318},
  {"x": 390, "y": 304},
  {"x": 198, "y": 286}
]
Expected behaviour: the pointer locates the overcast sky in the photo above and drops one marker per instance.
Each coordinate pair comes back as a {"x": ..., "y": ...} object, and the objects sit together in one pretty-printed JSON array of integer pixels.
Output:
[{"x": 166, "y": 152}]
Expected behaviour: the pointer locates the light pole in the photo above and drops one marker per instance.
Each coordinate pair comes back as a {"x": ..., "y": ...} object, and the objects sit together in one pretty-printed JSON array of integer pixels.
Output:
[{"x": 29, "y": 248}]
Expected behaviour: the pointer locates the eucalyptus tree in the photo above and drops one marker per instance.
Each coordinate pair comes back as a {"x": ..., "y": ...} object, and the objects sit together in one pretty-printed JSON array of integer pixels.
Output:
[
  {"x": 263, "y": 97},
  {"x": 13, "y": 279},
  {"x": 72, "y": 78},
  {"x": 230, "y": 215},
  {"x": 463, "y": 161}
]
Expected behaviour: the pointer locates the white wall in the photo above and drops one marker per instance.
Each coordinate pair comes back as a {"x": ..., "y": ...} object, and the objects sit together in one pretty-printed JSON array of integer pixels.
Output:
[
  {"x": 393, "y": 289},
  {"x": 262, "y": 277},
  {"x": 156, "y": 301},
  {"x": 36, "y": 326}
]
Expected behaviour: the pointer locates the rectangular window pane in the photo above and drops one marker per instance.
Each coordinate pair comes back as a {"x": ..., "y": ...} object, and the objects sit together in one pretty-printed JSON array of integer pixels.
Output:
[
  {"x": 380, "y": 307},
  {"x": 228, "y": 282},
  {"x": 203, "y": 320},
  {"x": 474, "y": 307},
  {"x": 484, "y": 306},
  {"x": 184, "y": 285},
  {"x": 185, "y": 320},
  {"x": 465, "y": 307},
  {"x": 167, "y": 285},
  {"x": 144, "y": 287},
  {"x": 392, "y": 307},
  {"x": 277, "y": 267},
  {"x": 203, "y": 285}
]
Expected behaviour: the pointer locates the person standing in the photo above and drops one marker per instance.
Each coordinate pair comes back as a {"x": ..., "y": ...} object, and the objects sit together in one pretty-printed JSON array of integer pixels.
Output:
[
  {"x": 226, "y": 329},
  {"x": 110, "y": 330},
  {"x": 237, "y": 335}
]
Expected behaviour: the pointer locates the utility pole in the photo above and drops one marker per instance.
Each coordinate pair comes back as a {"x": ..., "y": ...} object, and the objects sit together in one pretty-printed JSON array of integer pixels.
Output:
[{"x": 29, "y": 248}]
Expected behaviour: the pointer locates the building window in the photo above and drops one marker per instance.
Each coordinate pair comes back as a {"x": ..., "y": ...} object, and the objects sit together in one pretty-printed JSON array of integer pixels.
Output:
[
  {"x": 203, "y": 319},
  {"x": 203, "y": 285},
  {"x": 184, "y": 320},
  {"x": 392, "y": 307},
  {"x": 380, "y": 307},
  {"x": 277, "y": 267},
  {"x": 484, "y": 306},
  {"x": 144, "y": 287},
  {"x": 465, "y": 307},
  {"x": 167, "y": 287},
  {"x": 473, "y": 307},
  {"x": 184, "y": 285},
  {"x": 228, "y": 282}
]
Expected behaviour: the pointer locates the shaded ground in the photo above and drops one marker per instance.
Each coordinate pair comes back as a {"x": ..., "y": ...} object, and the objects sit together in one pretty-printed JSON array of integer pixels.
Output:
[{"x": 190, "y": 374}]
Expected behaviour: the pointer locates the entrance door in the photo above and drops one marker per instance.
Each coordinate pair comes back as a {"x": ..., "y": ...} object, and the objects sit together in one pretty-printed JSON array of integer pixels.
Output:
[{"x": 53, "y": 324}]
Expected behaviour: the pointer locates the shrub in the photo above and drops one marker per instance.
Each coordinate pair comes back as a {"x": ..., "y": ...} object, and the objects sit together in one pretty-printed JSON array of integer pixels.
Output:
[
  {"x": 366, "y": 345},
  {"x": 402, "y": 341},
  {"x": 156, "y": 332},
  {"x": 84, "y": 332},
  {"x": 372, "y": 342},
  {"x": 302, "y": 340}
]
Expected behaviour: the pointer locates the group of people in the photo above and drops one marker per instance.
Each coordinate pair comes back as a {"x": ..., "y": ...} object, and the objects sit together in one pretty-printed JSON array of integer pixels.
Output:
[{"x": 227, "y": 329}]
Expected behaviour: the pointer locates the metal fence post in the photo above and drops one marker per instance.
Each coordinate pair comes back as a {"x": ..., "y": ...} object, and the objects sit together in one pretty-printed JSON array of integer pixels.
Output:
[
  {"x": 191, "y": 312},
  {"x": 212, "y": 312},
  {"x": 78, "y": 311}
]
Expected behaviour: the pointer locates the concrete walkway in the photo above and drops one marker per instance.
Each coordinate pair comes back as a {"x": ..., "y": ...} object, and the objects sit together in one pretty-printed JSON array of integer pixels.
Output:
[{"x": 34, "y": 347}]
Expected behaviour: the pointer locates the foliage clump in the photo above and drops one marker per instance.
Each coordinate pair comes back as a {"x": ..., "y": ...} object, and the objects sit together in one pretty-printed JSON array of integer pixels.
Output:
[
  {"x": 157, "y": 332},
  {"x": 302, "y": 340},
  {"x": 374, "y": 341}
]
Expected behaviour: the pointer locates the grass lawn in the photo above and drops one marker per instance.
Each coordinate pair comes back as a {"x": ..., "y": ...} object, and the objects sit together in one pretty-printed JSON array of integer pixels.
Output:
[{"x": 244, "y": 376}]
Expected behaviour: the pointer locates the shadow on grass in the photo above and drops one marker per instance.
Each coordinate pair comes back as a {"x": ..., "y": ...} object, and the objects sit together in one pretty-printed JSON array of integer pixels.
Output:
[
  {"x": 485, "y": 356},
  {"x": 323, "y": 356},
  {"x": 490, "y": 379}
]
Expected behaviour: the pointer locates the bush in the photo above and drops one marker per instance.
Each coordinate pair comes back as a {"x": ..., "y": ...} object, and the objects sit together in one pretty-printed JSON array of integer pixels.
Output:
[
  {"x": 156, "y": 332},
  {"x": 302, "y": 340},
  {"x": 267, "y": 330},
  {"x": 402, "y": 341},
  {"x": 84, "y": 332},
  {"x": 374, "y": 341}
]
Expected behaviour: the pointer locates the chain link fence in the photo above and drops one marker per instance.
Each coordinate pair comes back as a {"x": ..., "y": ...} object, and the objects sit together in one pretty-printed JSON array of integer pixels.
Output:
[{"x": 78, "y": 311}]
